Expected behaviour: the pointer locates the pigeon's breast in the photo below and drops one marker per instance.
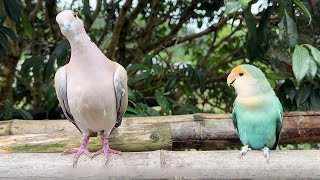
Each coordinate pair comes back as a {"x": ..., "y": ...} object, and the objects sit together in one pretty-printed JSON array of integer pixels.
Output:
[{"x": 91, "y": 99}]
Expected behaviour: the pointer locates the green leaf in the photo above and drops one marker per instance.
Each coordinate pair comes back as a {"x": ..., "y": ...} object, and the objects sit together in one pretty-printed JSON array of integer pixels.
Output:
[
  {"x": 139, "y": 77},
  {"x": 290, "y": 91},
  {"x": 157, "y": 69},
  {"x": 314, "y": 52},
  {"x": 162, "y": 101},
  {"x": 300, "y": 62},
  {"x": 27, "y": 27},
  {"x": 136, "y": 67},
  {"x": 171, "y": 83},
  {"x": 292, "y": 31},
  {"x": 302, "y": 94},
  {"x": 288, "y": 30},
  {"x": 232, "y": 6},
  {"x": 132, "y": 110},
  {"x": 4, "y": 40},
  {"x": 312, "y": 68},
  {"x": 303, "y": 7},
  {"x": 61, "y": 50},
  {"x": 13, "y": 9},
  {"x": 276, "y": 76},
  {"x": 3, "y": 16},
  {"x": 6, "y": 113},
  {"x": 86, "y": 10},
  {"x": 25, "y": 114},
  {"x": 315, "y": 99},
  {"x": 9, "y": 33},
  {"x": 34, "y": 62}
]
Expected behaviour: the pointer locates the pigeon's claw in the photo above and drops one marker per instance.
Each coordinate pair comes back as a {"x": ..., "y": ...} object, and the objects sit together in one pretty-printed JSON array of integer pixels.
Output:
[
  {"x": 106, "y": 149},
  {"x": 82, "y": 150}
]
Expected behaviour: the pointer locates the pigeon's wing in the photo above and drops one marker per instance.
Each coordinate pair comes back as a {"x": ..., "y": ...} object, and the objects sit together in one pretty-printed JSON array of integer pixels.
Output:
[
  {"x": 121, "y": 91},
  {"x": 60, "y": 84}
]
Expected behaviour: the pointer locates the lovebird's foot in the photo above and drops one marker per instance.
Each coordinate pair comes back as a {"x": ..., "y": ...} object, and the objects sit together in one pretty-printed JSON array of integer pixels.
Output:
[
  {"x": 82, "y": 150},
  {"x": 106, "y": 149},
  {"x": 266, "y": 152},
  {"x": 244, "y": 151}
]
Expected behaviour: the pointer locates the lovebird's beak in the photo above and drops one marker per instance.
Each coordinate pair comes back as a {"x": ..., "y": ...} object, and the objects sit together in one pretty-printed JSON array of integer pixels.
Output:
[{"x": 231, "y": 80}]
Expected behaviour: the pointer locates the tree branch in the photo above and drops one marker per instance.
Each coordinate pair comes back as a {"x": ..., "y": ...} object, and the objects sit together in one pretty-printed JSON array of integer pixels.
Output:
[
  {"x": 94, "y": 15},
  {"x": 51, "y": 12},
  {"x": 117, "y": 29},
  {"x": 34, "y": 12},
  {"x": 179, "y": 40}
]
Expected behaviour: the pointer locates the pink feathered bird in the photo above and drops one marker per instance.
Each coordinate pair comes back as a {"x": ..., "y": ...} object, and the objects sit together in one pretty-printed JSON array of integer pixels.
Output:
[{"x": 91, "y": 89}]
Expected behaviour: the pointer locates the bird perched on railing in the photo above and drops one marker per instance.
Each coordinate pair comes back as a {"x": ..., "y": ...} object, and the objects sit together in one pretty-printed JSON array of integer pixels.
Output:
[
  {"x": 91, "y": 89},
  {"x": 257, "y": 111}
]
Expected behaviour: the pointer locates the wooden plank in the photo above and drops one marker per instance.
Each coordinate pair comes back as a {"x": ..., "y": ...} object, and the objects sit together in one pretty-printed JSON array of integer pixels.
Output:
[
  {"x": 300, "y": 164},
  {"x": 136, "y": 138},
  {"x": 199, "y": 131}
]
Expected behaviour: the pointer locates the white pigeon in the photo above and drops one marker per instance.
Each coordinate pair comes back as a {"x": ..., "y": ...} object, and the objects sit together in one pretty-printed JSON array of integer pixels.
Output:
[{"x": 91, "y": 89}]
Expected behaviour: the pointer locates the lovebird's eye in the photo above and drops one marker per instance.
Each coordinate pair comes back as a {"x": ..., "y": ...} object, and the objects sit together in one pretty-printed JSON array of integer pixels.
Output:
[{"x": 240, "y": 74}]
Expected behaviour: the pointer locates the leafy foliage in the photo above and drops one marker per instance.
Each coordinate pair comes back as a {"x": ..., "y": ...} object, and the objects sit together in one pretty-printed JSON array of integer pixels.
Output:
[{"x": 177, "y": 53}]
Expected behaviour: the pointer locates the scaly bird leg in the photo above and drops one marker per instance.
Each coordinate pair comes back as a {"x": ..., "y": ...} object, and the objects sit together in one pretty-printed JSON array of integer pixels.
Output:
[
  {"x": 82, "y": 150},
  {"x": 266, "y": 152},
  {"x": 106, "y": 149},
  {"x": 244, "y": 151}
]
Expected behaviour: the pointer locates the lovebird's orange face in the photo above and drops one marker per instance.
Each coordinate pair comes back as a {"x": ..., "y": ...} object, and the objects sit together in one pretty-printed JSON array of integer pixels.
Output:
[{"x": 238, "y": 73}]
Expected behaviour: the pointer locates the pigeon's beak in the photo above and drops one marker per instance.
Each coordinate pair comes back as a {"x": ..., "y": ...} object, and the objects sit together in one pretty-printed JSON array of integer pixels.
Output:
[{"x": 67, "y": 27}]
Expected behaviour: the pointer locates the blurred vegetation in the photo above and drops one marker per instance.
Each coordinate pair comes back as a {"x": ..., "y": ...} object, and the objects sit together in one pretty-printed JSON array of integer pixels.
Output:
[{"x": 177, "y": 53}]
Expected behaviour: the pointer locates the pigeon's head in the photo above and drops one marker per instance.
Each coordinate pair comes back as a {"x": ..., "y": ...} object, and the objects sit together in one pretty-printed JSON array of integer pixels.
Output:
[{"x": 70, "y": 24}]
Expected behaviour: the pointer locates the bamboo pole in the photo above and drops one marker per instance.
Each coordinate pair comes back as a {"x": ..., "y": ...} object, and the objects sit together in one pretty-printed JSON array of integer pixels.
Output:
[{"x": 199, "y": 131}]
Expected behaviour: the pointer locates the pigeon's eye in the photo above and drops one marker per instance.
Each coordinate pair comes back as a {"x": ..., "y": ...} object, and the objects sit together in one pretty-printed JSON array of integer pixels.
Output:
[
  {"x": 75, "y": 15},
  {"x": 241, "y": 74}
]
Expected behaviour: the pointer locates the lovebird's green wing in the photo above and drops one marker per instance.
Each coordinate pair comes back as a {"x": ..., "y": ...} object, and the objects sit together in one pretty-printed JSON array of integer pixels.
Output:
[
  {"x": 279, "y": 124},
  {"x": 234, "y": 117}
]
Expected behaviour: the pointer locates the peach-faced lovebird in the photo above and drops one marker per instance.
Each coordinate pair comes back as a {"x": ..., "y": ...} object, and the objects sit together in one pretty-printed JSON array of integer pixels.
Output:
[
  {"x": 257, "y": 111},
  {"x": 91, "y": 89}
]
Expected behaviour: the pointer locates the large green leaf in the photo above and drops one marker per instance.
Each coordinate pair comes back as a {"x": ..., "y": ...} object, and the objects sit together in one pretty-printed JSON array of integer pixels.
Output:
[
  {"x": 314, "y": 52},
  {"x": 13, "y": 9},
  {"x": 288, "y": 30},
  {"x": 300, "y": 62}
]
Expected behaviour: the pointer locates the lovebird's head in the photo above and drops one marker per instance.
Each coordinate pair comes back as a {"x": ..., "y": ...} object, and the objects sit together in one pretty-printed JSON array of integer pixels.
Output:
[
  {"x": 70, "y": 24},
  {"x": 248, "y": 80}
]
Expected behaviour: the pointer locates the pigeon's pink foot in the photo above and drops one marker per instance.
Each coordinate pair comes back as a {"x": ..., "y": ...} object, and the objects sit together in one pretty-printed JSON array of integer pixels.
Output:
[
  {"x": 82, "y": 150},
  {"x": 106, "y": 149}
]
